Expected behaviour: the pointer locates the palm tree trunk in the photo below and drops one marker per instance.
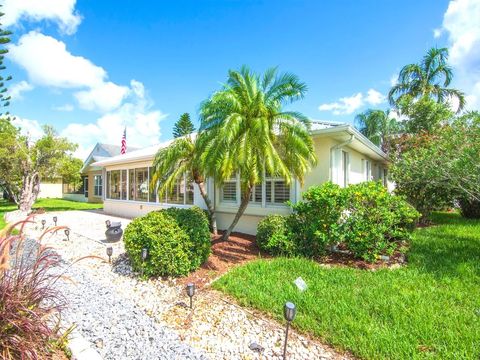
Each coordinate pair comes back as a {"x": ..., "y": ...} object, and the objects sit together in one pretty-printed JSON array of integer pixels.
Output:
[
  {"x": 238, "y": 215},
  {"x": 211, "y": 209}
]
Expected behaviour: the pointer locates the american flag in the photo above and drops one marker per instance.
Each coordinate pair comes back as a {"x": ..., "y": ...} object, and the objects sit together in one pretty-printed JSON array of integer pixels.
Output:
[{"x": 124, "y": 142}]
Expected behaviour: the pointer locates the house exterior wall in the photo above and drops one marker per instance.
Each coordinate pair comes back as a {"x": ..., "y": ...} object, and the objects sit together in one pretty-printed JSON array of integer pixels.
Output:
[
  {"x": 329, "y": 167},
  {"x": 50, "y": 189}
]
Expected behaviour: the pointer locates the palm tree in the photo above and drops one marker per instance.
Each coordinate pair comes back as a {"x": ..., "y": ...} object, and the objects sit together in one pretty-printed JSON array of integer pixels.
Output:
[
  {"x": 245, "y": 131},
  {"x": 179, "y": 158},
  {"x": 378, "y": 126},
  {"x": 431, "y": 77}
]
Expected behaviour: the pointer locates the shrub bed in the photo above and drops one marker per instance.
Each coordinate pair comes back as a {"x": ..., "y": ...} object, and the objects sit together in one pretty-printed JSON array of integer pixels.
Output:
[
  {"x": 365, "y": 218},
  {"x": 177, "y": 240}
]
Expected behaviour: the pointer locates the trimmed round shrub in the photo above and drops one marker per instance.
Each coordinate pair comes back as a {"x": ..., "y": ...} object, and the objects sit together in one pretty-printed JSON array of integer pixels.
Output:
[
  {"x": 194, "y": 222},
  {"x": 274, "y": 236},
  {"x": 178, "y": 241},
  {"x": 470, "y": 209}
]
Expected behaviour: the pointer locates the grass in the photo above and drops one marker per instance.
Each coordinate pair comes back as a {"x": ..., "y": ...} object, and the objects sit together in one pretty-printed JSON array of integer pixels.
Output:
[
  {"x": 48, "y": 205},
  {"x": 429, "y": 309}
]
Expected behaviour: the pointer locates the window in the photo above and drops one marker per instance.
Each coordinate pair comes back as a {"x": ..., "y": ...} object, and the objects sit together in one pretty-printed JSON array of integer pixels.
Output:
[
  {"x": 131, "y": 184},
  {"x": 85, "y": 186},
  {"x": 141, "y": 184},
  {"x": 385, "y": 177},
  {"x": 229, "y": 190},
  {"x": 152, "y": 197},
  {"x": 177, "y": 194},
  {"x": 123, "y": 185},
  {"x": 345, "y": 168},
  {"x": 97, "y": 185},
  {"x": 189, "y": 192},
  {"x": 276, "y": 191},
  {"x": 113, "y": 184},
  {"x": 256, "y": 195},
  {"x": 367, "y": 170}
]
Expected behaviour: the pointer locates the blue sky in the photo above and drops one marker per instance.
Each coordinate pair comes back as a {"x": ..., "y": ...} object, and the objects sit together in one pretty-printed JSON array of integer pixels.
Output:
[{"x": 87, "y": 67}]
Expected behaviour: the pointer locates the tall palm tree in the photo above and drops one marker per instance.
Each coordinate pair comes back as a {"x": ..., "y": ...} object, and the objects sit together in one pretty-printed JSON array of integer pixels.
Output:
[
  {"x": 431, "y": 77},
  {"x": 245, "y": 131},
  {"x": 172, "y": 162},
  {"x": 378, "y": 126}
]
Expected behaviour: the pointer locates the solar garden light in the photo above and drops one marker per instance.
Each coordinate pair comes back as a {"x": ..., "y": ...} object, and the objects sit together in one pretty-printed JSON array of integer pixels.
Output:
[
  {"x": 289, "y": 312},
  {"x": 109, "y": 253},
  {"x": 43, "y": 223},
  {"x": 190, "y": 292},
  {"x": 67, "y": 234},
  {"x": 55, "y": 220},
  {"x": 144, "y": 257}
]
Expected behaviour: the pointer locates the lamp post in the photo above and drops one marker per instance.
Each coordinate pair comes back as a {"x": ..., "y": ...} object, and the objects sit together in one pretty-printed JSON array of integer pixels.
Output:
[
  {"x": 43, "y": 223},
  {"x": 109, "y": 253},
  {"x": 190, "y": 292},
  {"x": 289, "y": 312},
  {"x": 67, "y": 234},
  {"x": 144, "y": 257},
  {"x": 55, "y": 220}
]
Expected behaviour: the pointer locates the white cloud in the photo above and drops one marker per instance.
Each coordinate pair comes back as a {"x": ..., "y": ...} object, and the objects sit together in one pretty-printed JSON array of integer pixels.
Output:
[
  {"x": 66, "y": 107},
  {"x": 437, "y": 33},
  {"x": 49, "y": 63},
  {"x": 30, "y": 128},
  {"x": 374, "y": 97},
  {"x": 350, "y": 104},
  {"x": 17, "y": 89},
  {"x": 62, "y": 12},
  {"x": 142, "y": 122},
  {"x": 461, "y": 23}
]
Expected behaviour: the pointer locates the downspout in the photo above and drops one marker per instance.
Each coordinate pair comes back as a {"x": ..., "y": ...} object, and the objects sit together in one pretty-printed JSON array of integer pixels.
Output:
[{"x": 332, "y": 152}]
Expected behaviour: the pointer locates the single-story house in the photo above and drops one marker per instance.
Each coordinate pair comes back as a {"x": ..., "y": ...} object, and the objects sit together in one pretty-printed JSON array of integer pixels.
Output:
[
  {"x": 91, "y": 189},
  {"x": 345, "y": 156}
]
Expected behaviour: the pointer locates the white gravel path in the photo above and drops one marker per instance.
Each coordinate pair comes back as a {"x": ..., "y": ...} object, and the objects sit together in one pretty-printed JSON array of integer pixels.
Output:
[{"x": 125, "y": 318}]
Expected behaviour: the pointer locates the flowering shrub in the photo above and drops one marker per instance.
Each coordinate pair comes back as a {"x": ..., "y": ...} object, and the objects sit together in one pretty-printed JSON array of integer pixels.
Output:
[
  {"x": 29, "y": 306},
  {"x": 366, "y": 218}
]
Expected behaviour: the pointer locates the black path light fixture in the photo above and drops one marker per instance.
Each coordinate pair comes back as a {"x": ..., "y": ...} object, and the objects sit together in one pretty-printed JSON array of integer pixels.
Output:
[
  {"x": 190, "y": 292},
  {"x": 67, "y": 234},
  {"x": 144, "y": 258},
  {"x": 43, "y": 223},
  {"x": 55, "y": 219},
  {"x": 289, "y": 312},
  {"x": 109, "y": 253}
]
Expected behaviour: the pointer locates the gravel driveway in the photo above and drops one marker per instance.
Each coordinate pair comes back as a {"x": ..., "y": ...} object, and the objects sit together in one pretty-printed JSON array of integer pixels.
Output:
[{"x": 125, "y": 318}]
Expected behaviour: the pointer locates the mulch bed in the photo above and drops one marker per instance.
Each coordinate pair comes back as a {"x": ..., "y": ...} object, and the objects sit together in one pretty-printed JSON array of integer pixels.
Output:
[{"x": 238, "y": 249}]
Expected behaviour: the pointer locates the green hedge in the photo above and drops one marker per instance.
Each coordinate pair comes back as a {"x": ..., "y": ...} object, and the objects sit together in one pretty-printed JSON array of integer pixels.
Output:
[
  {"x": 367, "y": 219},
  {"x": 178, "y": 241}
]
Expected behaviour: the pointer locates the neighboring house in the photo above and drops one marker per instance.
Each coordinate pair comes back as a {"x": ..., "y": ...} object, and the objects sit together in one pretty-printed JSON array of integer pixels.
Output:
[
  {"x": 50, "y": 189},
  {"x": 344, "y": 155},
  {"x": 92, "y": 186}
]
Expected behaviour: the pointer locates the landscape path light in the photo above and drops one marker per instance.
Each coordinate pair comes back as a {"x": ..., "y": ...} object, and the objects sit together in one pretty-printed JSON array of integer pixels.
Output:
[
  {"x": 67, "y": 234},
  {"x": 190, "y": 292},
  {"x": 144, "y": 257},
  {"x": 43, "y": 223},
  {"x": 289, "y": 312},
  {"x": 55, "y": 219},
  {"x": 109, "y": 253}
]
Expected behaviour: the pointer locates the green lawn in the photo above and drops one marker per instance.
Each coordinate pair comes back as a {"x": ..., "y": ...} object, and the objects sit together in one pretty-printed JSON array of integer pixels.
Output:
[
  {"x": 48, "y": 205},
  {"x": 429, "y": 309}
]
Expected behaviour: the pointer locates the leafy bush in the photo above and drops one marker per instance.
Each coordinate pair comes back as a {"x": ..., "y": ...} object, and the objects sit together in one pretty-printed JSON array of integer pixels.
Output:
[
  {"x": 375, "y": 220},
  {"x": 274, "y": 236},
  {"x": 365, "y": 217},
  {"x": 177, "y": 240},
  {"x": 470, "y": 209},
  {"x": 195, "y": 223},
  {"x": 29, "y": 305},
  {"x": 317, "y": 218}
]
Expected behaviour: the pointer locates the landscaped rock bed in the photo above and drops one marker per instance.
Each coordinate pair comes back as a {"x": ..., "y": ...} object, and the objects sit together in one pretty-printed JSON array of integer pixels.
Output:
[{"x": 127, "y": 318}]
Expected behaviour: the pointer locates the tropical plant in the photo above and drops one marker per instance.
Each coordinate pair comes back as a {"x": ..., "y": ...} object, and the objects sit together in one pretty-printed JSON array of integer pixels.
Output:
[
  {"x": 4, "y": 39},
  {"x": 183, "y": 126},
  {"x": 431, "y": 77},
  {"x": 378, "y": 126},
  {"x": 181, "y": 157},
  {"x": 245, "y": 130},
  {"x": 30, "y": 306}
]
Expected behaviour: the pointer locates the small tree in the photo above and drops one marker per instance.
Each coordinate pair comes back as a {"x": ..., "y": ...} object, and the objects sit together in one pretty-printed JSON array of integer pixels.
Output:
[
  {"x": 23, "y": 163},
  {"x": 183, "y": 126},
  {"x": 378, "y": 126},
  {"x": 70, "y": 171}
]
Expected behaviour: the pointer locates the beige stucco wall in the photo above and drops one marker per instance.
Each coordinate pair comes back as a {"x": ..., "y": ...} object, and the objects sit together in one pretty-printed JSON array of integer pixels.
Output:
[{"x": 50, "y": 189}]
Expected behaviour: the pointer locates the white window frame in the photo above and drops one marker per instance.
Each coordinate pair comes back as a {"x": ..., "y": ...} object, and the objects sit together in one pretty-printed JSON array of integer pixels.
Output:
[
  {"x": 97, "y": 187},
  {"x": 367, "y": 169},
  {"x": 345, "y": 168}
]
